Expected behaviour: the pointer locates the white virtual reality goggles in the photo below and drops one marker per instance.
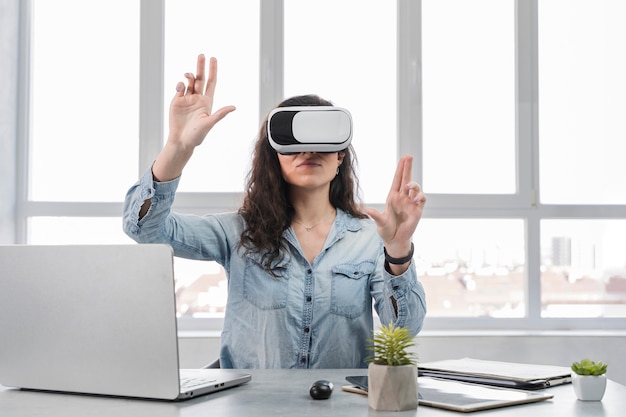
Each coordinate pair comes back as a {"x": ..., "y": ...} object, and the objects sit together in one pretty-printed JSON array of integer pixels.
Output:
[{"x": 292, "y": 130}]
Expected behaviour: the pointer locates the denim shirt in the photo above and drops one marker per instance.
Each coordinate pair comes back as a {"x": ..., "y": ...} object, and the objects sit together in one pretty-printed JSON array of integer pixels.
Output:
[{"x": 315, "y": 315}]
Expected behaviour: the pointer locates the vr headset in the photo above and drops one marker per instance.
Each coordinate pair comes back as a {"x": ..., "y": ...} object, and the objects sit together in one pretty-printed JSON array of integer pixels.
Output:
[{"x": 292, "y": 130}]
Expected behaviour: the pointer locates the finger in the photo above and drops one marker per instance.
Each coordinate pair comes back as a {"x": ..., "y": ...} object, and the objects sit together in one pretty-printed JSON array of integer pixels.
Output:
[
  {"x": 212, "y": 80},
  {"x": 221, "y": 113},
  {"x": 413, "y": 188},
  {"x": 410, "y": 192},
  {"x": 420, "y": 199},
  {"x": 396, "y": 185},
  {"x": 190, "y": 82},
  {"x": 374, "y": 214},
  {"x": 180, "y": 89},
  {"x": 406, "y": 170},
  {"x": 199, "y": 82},
  {"x": 413, "y": 185}
]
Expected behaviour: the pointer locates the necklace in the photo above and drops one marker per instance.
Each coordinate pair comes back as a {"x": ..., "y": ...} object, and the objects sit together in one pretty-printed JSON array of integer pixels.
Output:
[{"x": 309, "y": 228}]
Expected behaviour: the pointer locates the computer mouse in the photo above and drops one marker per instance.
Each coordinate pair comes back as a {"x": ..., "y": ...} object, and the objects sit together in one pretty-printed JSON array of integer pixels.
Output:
[{"x": 321, "y": 390}]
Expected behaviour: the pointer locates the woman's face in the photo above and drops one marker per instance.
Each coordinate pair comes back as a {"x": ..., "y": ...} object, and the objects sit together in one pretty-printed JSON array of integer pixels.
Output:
[{"x": 310, "y": 169}]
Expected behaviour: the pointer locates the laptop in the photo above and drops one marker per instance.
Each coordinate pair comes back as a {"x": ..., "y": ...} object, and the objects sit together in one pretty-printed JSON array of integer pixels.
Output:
[{"x": 96, "y": 319}]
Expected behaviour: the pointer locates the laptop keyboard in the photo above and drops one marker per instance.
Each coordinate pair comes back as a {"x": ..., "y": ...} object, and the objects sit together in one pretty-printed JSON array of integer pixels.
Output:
[{"x": 195, "y": 381}]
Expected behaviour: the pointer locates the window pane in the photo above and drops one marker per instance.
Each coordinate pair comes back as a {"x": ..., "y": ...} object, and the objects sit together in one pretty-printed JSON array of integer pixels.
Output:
[
  {"x": 331, "y": 50},
  {"x": 201, "y": 288},
  {"x": 229, "y": 31},
  {"x": 76, "y": 230},
  {"x": 472, "y": 268},
  {"x": 468, "y": 67},
  {"x": 581, "y": 101},
  {"x": 583, "y": 272},
  {"x": 84, "y": 99}
]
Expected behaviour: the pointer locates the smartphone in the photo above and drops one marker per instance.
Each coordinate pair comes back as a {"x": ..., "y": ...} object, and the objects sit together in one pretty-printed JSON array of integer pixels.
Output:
[
  {"x": 360, "y": 385},
  {"x": 360, "y": 381}
]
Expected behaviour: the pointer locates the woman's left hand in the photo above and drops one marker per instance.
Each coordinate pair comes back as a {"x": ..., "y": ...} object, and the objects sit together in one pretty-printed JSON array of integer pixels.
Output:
[{"x": 403, "y": 211}]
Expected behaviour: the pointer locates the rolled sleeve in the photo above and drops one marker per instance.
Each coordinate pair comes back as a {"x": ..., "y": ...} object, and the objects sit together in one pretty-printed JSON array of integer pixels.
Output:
[
  {"x": 161, "y": 194},
  {"x": 410, "y": 300}
]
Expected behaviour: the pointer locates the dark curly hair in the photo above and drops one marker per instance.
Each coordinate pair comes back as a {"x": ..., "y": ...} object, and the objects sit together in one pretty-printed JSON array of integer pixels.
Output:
[{"x": 266, "y": 208}]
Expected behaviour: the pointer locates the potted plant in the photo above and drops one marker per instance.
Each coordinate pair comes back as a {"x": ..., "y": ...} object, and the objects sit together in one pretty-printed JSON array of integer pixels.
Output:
[
  {"x": 392, "y": 370},
  {"x": 589, "y": 379}
]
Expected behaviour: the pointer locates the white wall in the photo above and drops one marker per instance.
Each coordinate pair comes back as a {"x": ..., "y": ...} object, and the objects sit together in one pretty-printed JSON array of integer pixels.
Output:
[{"x": 549, "y": 348}]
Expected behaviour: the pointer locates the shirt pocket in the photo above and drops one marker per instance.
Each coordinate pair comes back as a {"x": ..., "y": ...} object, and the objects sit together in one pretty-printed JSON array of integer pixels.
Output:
[
  {"x": 349, "y": 293},
  {"x": 262, "y": 289}
]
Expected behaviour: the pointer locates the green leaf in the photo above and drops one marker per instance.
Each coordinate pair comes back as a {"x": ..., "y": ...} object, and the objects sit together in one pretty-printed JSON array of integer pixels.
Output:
[
  {"x": 389, "y": 346},
  {"x": 589, "y": 367}
]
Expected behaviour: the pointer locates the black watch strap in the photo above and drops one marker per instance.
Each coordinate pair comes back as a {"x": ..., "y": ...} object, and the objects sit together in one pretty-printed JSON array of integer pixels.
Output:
[{"x": 399, "y": 261}]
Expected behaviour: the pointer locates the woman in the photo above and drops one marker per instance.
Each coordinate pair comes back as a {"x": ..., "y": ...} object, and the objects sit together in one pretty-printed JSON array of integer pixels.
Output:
[{"x": 303, "y": 261}]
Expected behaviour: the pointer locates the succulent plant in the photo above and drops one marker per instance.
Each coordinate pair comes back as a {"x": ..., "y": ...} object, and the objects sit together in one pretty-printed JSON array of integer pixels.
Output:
[
  {"x": 589, "y": 367},
  {"x": 389, "y": 347}
]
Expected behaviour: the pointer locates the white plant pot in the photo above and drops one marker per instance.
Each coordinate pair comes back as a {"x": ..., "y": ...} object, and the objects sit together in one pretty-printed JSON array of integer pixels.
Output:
[
  {"x": 392, "y": 388},
  {"x": 589, "y": 387}
]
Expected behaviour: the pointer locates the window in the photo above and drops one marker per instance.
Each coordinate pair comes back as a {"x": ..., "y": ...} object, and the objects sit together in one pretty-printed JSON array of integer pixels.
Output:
[
  {"x": 473, "y": 267},
  {"x": 468, "y": 61},
  {"x": 511, "y": 109},
  {"x": 83, "y": 110},
  {"x": 581, "y": 182},
  {"x": 581, "y": 123},
  {"x": 583, "y": 268}
]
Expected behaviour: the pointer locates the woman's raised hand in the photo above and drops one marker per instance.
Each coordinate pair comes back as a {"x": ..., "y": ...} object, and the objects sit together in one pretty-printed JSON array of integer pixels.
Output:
[
  {"x": 191, "y": 118},
  {"x": 191, "y": 110},
  {"x": 403, "y": 211}
]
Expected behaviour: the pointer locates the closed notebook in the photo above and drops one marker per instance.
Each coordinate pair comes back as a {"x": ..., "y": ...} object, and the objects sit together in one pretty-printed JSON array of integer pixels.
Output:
[{"x": 496, "y": 373}]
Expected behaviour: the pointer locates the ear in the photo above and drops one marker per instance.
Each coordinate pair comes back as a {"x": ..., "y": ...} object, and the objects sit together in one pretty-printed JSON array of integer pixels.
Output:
[{"x": 340, "y": 156}]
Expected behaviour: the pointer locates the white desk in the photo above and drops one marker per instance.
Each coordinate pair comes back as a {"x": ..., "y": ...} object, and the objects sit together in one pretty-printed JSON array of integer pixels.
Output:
[{"x": 284, "y": 392}]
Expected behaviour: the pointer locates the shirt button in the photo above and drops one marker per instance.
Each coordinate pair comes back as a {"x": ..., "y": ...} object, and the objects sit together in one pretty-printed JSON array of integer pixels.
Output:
[
  {"x": 308, "y": 299},
  {"x": 303, "y": 359},
  {"x": 306, "y": 329},
  {"x": 309, "y": 271}
]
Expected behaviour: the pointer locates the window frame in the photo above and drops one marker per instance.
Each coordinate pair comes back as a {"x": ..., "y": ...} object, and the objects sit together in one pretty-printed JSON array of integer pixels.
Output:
[{"x": 523, "y": 204}]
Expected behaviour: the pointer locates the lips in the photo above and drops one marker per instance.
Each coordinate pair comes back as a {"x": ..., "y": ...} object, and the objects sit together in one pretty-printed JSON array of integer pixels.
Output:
[{"x": 309, "y": 163}]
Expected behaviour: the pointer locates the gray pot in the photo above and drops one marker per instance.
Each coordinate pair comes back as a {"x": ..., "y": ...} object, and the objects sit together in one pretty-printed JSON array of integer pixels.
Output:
[{"x": 392, "y": 388}]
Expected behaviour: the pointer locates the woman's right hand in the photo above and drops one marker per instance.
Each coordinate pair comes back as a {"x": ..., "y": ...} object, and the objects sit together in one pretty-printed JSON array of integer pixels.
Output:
[{"x": 190, "y": 120}]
